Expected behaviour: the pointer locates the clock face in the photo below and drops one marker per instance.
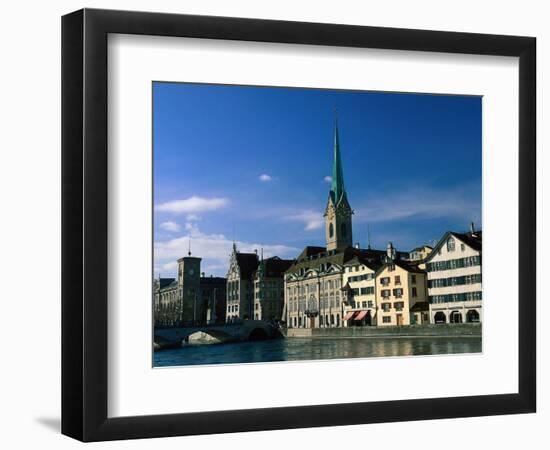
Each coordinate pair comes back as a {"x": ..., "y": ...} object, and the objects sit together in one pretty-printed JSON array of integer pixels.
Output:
[{"x": 190, "y": 271}]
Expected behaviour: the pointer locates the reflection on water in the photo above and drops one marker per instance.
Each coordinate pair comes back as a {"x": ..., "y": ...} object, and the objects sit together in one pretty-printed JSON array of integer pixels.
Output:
[{"x": 304, "y": 349}]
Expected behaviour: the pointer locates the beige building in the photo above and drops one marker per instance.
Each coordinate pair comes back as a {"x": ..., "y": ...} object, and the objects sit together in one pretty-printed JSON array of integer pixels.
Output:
[
  {"x": 269, "y": 288},
  {"x": 454, "y": 278},
  {"x": 359, "y": 292},
  {"x": 399, "y": 286}
]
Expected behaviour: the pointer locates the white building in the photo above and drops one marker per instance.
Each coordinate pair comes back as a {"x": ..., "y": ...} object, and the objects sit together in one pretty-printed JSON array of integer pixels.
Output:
[
  {"x": 359, "y": 292},
  {"x": 454, "y": 278}
]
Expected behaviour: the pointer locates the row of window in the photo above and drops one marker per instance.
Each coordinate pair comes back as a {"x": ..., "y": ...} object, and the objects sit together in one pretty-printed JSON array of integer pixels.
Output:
[
  {"x": 369, "y": 290},
  {"x": 459, "y": 297},
  {"x": 366, "y": 276},
  {"x": 455, "y": 281},
  {"x": 398, "y": 306},
  {"x": 364, "y": 304},
  {"x": 469, "y": 261},
  {"x": 324, "y": 321}
]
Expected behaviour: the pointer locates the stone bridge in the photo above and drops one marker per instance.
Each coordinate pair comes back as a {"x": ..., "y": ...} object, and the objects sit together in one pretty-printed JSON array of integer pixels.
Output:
[{"x": 248, "y": 330}]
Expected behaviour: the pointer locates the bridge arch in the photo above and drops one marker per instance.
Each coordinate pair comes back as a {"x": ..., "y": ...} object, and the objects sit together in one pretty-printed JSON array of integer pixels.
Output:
[{"x": 258, "y": 334}]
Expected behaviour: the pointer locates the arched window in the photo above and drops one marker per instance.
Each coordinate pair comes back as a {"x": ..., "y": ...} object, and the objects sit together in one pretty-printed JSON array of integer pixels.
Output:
[
  {"x": 451, "y": 244},
  {"x": 343, "y": 230},
  {"x": 331, "y": 230},
  {"x": 337, "y": 320}
]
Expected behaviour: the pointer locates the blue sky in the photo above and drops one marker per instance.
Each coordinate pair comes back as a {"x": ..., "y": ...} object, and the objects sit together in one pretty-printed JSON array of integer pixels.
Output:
[{"x": 250, "y": 164}]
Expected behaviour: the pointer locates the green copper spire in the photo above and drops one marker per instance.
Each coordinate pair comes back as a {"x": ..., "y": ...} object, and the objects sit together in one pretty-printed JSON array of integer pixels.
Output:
[{"x": 337, "y": 189}]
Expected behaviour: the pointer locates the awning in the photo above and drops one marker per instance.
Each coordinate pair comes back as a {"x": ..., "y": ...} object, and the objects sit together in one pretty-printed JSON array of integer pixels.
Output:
[
  {"x": 360, "y": 316},
  {"x": 349, "y": 315}
]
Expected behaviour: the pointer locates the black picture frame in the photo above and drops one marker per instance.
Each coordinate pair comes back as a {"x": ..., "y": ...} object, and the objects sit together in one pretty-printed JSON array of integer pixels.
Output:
[{"x": 84, "y": 224}]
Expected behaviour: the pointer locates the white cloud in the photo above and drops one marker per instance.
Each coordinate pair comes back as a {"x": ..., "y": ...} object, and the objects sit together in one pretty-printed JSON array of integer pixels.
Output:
[
  {"x": 192, "y": 205},
  {"x": 193, "y": 218},
  {"x": 328, "y": 179},
  {"x": 170, "y": 226},
  {"x": 312, "y": 220},
  {"x": 264, "y": 177},
  {"x": 214, "y": 249},
  {"x": 457, "y": 203}
]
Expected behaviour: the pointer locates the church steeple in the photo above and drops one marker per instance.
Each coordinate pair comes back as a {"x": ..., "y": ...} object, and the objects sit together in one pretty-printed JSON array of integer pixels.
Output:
[
  {"x": 338, "y": 212},
  {"x": 337, "y": 186}
]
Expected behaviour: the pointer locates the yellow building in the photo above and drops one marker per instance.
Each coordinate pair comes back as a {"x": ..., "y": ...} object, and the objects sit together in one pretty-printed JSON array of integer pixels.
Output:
[
  {"x": 359, "y": 292},
  {"x": 399, "y": 286}
]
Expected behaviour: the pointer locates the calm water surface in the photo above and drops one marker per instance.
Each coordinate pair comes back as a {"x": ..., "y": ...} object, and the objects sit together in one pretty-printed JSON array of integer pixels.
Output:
[{"x": 300, "y": 349}]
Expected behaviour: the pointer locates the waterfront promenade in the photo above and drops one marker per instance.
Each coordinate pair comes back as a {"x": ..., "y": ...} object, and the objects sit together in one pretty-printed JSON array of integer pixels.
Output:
[{"x": 426, "y": 330}]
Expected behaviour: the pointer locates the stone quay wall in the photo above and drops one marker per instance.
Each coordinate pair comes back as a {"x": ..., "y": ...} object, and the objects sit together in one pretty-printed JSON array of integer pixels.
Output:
[{"x": 439, "y": 330}]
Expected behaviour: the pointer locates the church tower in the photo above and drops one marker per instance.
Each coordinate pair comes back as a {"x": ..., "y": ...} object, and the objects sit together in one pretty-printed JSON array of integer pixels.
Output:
[{"x": 338, "y": 213}]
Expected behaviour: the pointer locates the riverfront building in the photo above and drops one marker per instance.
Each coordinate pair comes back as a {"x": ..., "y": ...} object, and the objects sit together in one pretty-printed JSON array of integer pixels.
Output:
[
  {"x": 240, "y": 286},
  {"x": 400, "y": 285},
  {"x": 360, "y": 292},
  {"x": 454, "y": 278},
  {"x": 189, "y": 298},
  {"x": 269, "y": 288},
  {"x": 313, "y": 284}
]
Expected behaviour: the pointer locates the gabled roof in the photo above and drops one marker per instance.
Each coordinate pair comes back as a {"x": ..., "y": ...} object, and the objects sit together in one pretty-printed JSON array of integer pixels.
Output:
[
  {"x": 312, "y": 260},
  {"x": 248, "y": 263},
  {"x": 405, "y": 265},
  {"x": 471, "y": 240},
  {"x": 276, "y": 267},
  {"x": 163, "y": 282}
]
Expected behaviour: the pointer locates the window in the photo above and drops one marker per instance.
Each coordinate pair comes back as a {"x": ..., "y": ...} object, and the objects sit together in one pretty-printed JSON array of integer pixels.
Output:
[
  {"x": 398, "y": 279},
  {"x": 385, "y": 307},
  {"x": 399, "y": 306},
  {"x": 414, "y": 293},
  {"x": 370, "y": 304},
  {"x": 451, "y": 244},
  {"x": 413, "y": 279},
  {"x": 462, "y": 247},
  {"x": 398, "y": 293},
  {"x": 385, "y": 293},
  {"x": 331, "y": 230},
  {"x": 385, "y": 281},
  {"x": 386, "y": 319},
  {"x": 364, "y": 304},
  {"x": 391, "y": 267}
]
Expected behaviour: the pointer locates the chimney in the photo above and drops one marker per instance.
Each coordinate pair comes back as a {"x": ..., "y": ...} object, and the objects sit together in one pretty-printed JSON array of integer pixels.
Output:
[{"x": 472, "y": 229}]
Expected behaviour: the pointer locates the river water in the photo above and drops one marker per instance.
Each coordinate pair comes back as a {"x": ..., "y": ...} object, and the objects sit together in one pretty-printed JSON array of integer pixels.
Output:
[{"x": 304, "y": 349}]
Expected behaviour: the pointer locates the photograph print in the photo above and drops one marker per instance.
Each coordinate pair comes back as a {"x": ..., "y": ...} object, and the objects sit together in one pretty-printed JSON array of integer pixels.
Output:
[{"x": 299, "y": 224}]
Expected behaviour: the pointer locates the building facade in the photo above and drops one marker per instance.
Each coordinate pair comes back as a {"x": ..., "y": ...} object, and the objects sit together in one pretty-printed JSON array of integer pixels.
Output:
[
  {"x": 399, "y": 286},
  {"x": 269, "y": 288},
  {"x": 359, "y": 292},
  {"x": 240, "y": 285},
  {"x": 186, "y": 299},
  {"x": 454, "y": 278}
]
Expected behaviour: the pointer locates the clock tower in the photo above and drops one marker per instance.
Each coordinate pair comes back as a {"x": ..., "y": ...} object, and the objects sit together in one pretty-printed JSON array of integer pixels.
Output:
[
  {"x": 338, "y": 212},
  {"x": 189, "y": 278}
]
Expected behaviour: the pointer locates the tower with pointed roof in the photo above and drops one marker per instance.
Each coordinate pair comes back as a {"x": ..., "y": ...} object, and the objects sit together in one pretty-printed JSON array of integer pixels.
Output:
[{"x": 338, "y": 213}]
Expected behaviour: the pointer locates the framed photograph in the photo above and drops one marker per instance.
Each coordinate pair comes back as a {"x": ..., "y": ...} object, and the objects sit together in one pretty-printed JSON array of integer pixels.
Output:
[{"x": 273, "y": 225}]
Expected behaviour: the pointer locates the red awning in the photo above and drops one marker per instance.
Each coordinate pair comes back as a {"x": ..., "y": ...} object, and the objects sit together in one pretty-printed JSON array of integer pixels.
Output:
[
  {"x": 349, "y": 315},
  {"x": 360, "y": 316}
]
